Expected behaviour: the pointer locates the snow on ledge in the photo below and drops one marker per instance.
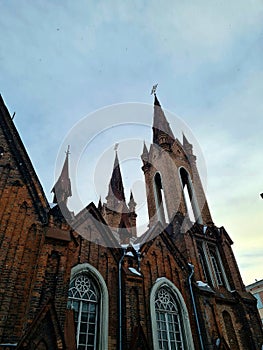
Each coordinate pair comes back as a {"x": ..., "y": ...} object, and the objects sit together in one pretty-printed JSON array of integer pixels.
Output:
[
  {"x": 133, "y": 270},
  {"x": 204, "y": 286}
]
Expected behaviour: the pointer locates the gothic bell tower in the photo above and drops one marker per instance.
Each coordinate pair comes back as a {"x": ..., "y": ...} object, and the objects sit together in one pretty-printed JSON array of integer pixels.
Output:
[{"x": 173, "y": 184}]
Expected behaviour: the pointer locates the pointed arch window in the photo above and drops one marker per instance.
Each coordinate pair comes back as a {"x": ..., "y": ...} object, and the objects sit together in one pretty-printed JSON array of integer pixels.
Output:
[
  {"x": 160, "y": 203},
  {"x": 211, "y": 264},
  {"x": 170, "y": 321},
  {"x": 84, "y": 300},
  {"x": 203, "y": 262},
  {"x": 216, "y": 268},
  {"x": 88, "y": 297},
  {"x": 189, "y": 196},
  {"x": 169, "y": 326}
]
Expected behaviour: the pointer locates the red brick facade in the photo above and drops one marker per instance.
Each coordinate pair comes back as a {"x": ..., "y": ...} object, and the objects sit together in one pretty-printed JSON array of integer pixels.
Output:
[{"x": 41, "y": 252}]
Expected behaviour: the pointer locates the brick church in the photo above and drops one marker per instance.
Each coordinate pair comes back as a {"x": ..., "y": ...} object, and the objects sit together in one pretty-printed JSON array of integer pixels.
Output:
[{"x": 87, "y": 281}]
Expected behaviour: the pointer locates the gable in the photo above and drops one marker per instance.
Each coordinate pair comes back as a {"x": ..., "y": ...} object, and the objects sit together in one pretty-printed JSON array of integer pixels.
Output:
[
  {"x": 44, "y": 332},
  {"x": 15, "y": 166},
  {"x": 165, "y": 258},
  {"x": 90, "y": 224},
  {"x": 139, "y": 341}
]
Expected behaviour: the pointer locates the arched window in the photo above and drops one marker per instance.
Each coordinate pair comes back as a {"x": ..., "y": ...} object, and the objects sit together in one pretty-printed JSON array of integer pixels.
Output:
[
  {"x": 88, "y": 297},
  {"x": 217, "y": 267},
  {"x": 84, "y": 300},
  {"x": 160, "y": 203},
  {"x": 189, "y": 196},
  {"x": 211, "y": 264},
  {"x": 170, "y": 321},
  {"x": 169, "y": 328},
  {"x": 204, "y": 266}
]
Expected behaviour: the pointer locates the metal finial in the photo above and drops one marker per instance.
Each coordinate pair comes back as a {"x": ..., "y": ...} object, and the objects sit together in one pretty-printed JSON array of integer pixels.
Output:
[
  {"x": 67, "y": 152},
  {"x": 116, "y": 146},
  {"x": 154, "y": 88}
]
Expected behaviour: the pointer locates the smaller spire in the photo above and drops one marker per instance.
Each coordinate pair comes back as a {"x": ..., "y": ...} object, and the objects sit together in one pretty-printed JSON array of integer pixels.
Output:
[
  {"x": 132, "y": 215},
  {"x": 145, "y": 153},
  {"x": 185, "y": 141},
  {"x": 187, "y": 145},
  {"x": 132, "y": 204},
  {"x": 100, "y": 205},
  {"x": 62, "y": 188},
  {"x": 116, "y": 190}
]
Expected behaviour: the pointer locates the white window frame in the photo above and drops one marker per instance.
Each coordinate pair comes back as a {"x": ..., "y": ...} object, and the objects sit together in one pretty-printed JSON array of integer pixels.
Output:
[
  {"x": 184, "y": 316},
  {"x": 104, "y": 300}
]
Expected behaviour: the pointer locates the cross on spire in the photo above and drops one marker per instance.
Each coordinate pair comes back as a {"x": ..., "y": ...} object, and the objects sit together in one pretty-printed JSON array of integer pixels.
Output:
[{"x": 154, "y": 88}]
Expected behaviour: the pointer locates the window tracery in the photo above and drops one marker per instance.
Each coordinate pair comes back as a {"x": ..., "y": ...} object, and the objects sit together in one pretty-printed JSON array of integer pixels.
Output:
[{"x": 84, "y": 300}]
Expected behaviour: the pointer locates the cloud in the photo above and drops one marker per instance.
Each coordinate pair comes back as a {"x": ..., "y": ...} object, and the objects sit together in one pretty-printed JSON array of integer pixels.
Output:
[{"x": 62, "y": 60}]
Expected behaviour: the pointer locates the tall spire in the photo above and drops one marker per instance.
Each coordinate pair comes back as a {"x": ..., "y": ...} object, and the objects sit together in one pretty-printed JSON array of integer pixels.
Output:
[
  {"x": 116, "y": 190},
  {"x": 62, "y": 188},
  {"x": 162, "y": 133}
]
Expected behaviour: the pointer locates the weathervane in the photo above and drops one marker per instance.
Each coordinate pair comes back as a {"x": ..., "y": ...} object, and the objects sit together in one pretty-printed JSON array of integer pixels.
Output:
[
  {"x": 116, "y": 147},
  {"x": 154, "y": 88}
]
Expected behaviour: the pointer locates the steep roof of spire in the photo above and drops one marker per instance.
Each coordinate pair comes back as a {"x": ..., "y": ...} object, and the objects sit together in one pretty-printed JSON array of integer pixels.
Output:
[
  {"x": 132, "y": 204},
  {"x": 156, "y": 101},
  {"x": 145, "y": 153},
  {"x": 62, "y": 188},
  {"x": 100, "y": 205},
  {"x": 131, "y": 196},
  {"x": 160, "y": 123},
  {"x": 116, "y": 189}
]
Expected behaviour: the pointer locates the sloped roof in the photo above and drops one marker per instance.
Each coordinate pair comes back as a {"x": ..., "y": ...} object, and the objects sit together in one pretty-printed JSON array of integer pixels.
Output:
[
  {"x": 24, "y": 164},
  {"x": 46, "y": 328}
]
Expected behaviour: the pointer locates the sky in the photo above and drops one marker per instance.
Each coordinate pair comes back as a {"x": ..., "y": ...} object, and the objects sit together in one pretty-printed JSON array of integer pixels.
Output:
[{"x": 81, "y": 72}]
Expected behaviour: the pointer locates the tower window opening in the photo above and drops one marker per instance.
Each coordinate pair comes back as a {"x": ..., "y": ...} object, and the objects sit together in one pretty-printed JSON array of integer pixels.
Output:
[
  {"x": 189, "y": 197},
  {"x": 161, "y": 208}
]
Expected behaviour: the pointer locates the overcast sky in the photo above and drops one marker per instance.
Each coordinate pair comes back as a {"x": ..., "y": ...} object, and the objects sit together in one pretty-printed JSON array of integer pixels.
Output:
[{"x": 60, "y": 61}]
